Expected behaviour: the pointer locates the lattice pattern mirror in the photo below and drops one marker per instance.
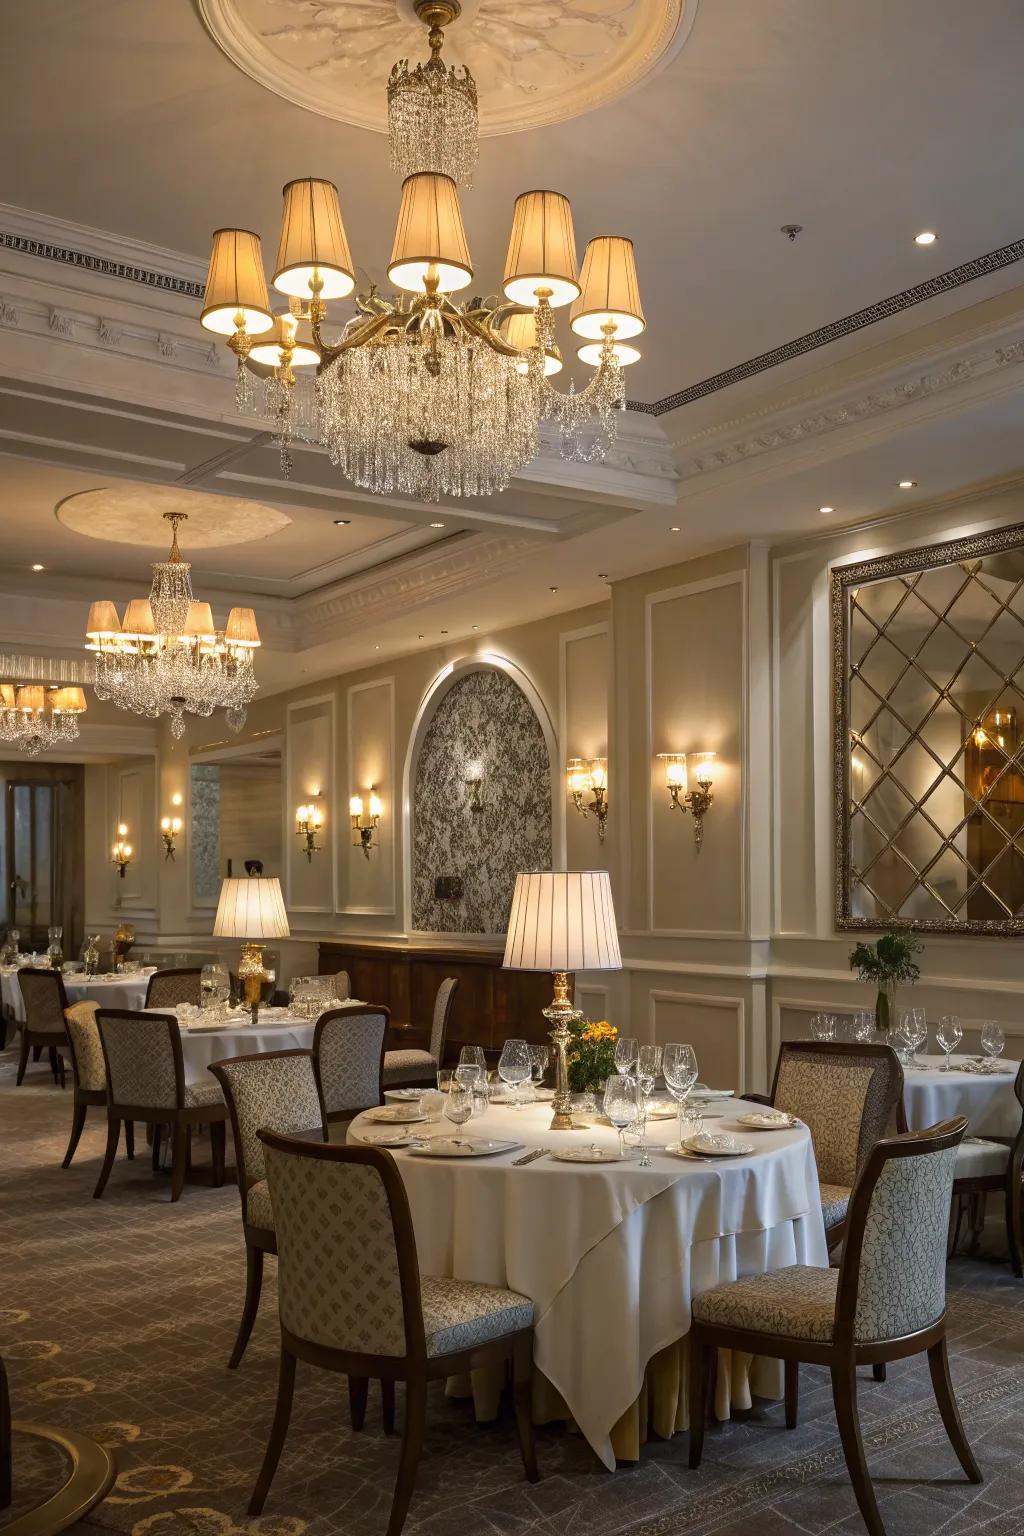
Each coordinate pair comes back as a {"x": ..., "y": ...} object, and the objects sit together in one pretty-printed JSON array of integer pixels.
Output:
[{"x": 928, "y": 684}]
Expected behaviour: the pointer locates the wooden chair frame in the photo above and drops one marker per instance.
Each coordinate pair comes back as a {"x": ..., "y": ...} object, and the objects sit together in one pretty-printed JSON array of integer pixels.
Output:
[
  {"x": 172, "y": 970},
  {"x": 333, "y": 1116},
  {"x": 416, "y": 1368},
  {"x": 842, "y": 1354},
  {"x": 39, "y": 1040},
  {"x": 258, "y": 1240},
  {"x": 84, "y": 1098},
  {"x": 1008, "y": 1182},
  {"x": 182, "y": 1121}
]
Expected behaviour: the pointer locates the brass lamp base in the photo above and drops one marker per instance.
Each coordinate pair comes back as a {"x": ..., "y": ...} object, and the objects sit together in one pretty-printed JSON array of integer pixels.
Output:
[
  {"x": 251, "y": 975},
  {"x": 558, "y": 1012}
]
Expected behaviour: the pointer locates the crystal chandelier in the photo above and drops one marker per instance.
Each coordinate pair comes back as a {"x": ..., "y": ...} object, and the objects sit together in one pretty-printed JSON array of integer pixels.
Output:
[
  {"x": 420, "y": 394},
  {"x": 166, "y": 657},
  {"x": 36, "y": 718}
]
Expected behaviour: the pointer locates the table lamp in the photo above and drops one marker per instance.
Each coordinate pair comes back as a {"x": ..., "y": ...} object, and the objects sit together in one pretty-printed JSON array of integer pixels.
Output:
[
  {"x": 562, "y": 921},
  {"x": 251, "y": 909}
]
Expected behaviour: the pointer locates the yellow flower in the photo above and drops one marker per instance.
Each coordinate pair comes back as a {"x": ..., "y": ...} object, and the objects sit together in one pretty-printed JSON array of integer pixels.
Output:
[{"x": 600, "y": 1030}]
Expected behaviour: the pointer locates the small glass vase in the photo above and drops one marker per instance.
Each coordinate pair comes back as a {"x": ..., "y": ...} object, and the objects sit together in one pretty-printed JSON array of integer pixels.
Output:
[{"x": 885, "y": 1008}]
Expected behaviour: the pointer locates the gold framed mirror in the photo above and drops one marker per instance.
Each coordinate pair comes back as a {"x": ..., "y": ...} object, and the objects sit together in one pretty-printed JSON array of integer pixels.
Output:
[{"x": 928, "y": 747}]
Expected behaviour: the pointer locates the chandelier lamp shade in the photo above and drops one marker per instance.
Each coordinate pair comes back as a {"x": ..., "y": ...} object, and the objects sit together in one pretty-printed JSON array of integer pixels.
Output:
[
  {"x": 416, "y": 392},
  {"x": 166, "y": 656},
  {"x": 36, "y": 718}
]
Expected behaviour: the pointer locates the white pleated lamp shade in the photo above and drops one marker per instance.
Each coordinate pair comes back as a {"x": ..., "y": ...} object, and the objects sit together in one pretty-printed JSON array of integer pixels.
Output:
[
  {"x": 521, "y": 331},
  {"x": 562, "y": 920},
  {"x": 541, "y": 251},
  {"x": 313, "y": 246},
  {"x": 430, "y": 236},
  {"x": 268, "y": 352},
  {"x": 68, "y": 701},
  {"x": 251, "y": 907},
  {"x": 610, "y": 291},
  {"x": 236, "y": 289}
]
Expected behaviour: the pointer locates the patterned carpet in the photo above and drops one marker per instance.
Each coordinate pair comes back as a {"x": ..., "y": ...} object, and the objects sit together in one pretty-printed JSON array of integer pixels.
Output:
[{"x": 117, "y": 1316}]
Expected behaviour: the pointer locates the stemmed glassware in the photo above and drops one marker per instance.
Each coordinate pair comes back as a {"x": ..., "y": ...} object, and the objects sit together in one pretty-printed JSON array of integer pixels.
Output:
[
  {"x": 863, "y": 1026},
  {"x": 823, "y": 1026},
  {"x": 458, "y": 1106},
  {"x": 900, "y": 1038},
  {"x": 627, "y": 1054},
  {"x": 948, "y": 1036},
  {"x": 993, "y": 1039},
  {"x": 917, "y": 1031},
  {"x": 679, "y": 1064},
  {"x": 622, "y": 1105},
  {"x": 540, "y": 1055},
  {"x": 514, "y": 1067},
  {"x": 647, "y": 1068}
]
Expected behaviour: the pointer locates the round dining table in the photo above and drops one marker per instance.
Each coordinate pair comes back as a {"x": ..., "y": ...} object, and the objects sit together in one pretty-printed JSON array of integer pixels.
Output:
[
  {"x": 110, "y": 990},
  {"x": 204, "y": 1040},
  {"x": 611, "y": 1254},
  {"x": 986, "y": 1098}
]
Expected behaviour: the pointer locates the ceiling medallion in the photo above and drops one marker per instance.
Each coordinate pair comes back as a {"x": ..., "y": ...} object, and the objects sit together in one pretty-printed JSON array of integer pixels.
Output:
[
  {"x": 131, "y": 512},
  {"x": 535, "y": 63},
  {"x": 419, "y": 394},
  {"x": 166, "y": 657}
]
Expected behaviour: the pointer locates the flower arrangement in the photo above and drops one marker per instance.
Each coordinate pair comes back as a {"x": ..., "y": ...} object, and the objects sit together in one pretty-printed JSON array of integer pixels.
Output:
[
  {"x": 590, "y": 1056},
  {"x": 884, "y": 965}
]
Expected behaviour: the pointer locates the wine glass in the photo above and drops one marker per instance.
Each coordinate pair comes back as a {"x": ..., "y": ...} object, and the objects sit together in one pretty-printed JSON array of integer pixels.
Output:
[
  {"x": 539, "y": 1058},
  {"x": 514, "y": 1067},
  {"x": 647, "y": 1068},
  {"x": 992, "y": 1039},
  {"x": 823, "y": 1026},
  {"x": 458, "y": 1106},
  {"x": 691, "y": 1121},
  {"x": 900, "y": 1038},
  {"x": 207, "y": 986},
  {"x": 679, "y": 1064},
  {"x": 473, "y": 1056},
  {"x": 917, "y": 1031},
  {"x": 621, "y": 1105},
  {"x": 948, "y": 1036},
  {"x": 627, "y": 1053}
]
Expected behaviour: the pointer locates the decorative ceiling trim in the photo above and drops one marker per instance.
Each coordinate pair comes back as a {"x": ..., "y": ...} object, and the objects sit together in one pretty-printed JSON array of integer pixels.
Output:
[
  {"x": 26, "y": 245},
  {"x": 884, "y": 309}
]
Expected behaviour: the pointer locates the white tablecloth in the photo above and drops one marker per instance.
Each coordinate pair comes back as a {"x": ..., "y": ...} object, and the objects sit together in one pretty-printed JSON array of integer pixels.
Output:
[
  {"x": 610, "y": 1254},
  {"x": 108, "y": 991},
  {"x": 279, "y": 1032},
  {"x": 988, "y": 1100}
]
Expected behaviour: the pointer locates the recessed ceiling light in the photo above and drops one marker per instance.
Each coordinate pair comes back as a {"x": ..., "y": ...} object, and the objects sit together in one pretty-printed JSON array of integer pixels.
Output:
[
  {"x": 421, "y": 637},
  {"x": 675, "y": 528},
  {"x": 926, "y": 237},
  {"x": 437, "y": 525},
  {"x": 476, "y": 627},
  {"x": 602, "y": 575},
  {"x": 342, "y": 522},
  {"x": 826, "y": 510},
  {"x": 39, "y": 567},
  {"x": 552, "y": 589},
  {"x": 444, "y": 631},
  {"x": 376, "y": 647},
  {"x": 906, "y": 485}
]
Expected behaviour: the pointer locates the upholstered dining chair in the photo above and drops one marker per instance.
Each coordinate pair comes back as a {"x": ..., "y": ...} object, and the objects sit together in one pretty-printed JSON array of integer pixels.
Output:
[
  {"x": 146, "y": 1081},
  {"x": 418, "y": 1068},
  {"x": 348, "y": 1057},
  {"x": 886, "y": 1301},
  {"x": 342, "y": 986},
  {"x": 42, "y": 992},
  {"x": 985, "y": 1167},
  {"x": 166, "y": 989},
  {"x": 278, "y": 1091},
  {"x": 88, "y": 1070},
  {"x": 343, "y": 1211},
  {"x": 849, "y": 1096}
]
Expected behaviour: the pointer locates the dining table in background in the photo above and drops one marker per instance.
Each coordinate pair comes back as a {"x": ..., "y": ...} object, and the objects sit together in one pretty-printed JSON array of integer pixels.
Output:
[
  {"x": 111, "y": 990},
  {"x": 987, "y": 1098},
  {"x": 204, "y": 1039},
  {"x": 611, "y": 1255}
]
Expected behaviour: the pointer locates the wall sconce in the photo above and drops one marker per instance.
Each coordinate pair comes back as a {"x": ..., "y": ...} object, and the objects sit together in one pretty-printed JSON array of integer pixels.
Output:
[
  {"x": 308, "y": 821},
  {"x": 170, "y": 826},
  {"x": 363, "y": 828},
  {"x": 122, "y": 851},
  {"x": 697, "y": 801},
  {"x": 589, "y": 775},
  {"x": 474, "y": 785}
]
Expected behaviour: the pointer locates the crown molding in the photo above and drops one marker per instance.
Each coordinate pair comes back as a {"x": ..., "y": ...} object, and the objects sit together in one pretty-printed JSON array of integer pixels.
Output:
[{"x": 25, "y": 232}]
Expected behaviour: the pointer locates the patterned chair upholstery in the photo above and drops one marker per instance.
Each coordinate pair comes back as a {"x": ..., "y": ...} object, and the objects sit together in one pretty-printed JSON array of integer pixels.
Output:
[
  {"x": 146, "y": 1081},
  {"x": 166, "y": 989},
  {"x": 342, "y": 986},
  {"x": 278, "y": 1091},
  {"x": 348, "y": 1055},
  {"x": 846, "y": 1095},
  {"x": 887, "y": 1300},
  {"x": 343, "y": 1212},
  {"x": 86, "y": 1050},
  {"x": 42, "y": 992},
  {"x": 412, "y": 1067}
]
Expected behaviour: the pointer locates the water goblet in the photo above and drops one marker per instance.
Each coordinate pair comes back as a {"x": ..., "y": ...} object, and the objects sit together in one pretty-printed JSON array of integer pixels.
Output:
[
  {"x": 823, "y": 1026},
  {"x": 948, "y": 1036},
  {"x": 432, "y": 1104},
  {"x": 918, "y": 1031},
  {"x": 621, "y": 1106},
  {"x": 691, "y": 1121},
  {"x": 514, "y": 1067},
  {"x": 472, "y": 1078},
  {"x": 679, "y": 1064},
  {"x": 863, "y": 1025},
  {"x": 627, "y": 1054},
  {"x": 647, "y": 1068},
  {"x": 444, "y": 1079},
  {"x": 539, "y": 1058},
  {"x": 473, "y": 1056},
  {"x": 993, "y": 1039},
  {"x": 458, "y": 1107}
]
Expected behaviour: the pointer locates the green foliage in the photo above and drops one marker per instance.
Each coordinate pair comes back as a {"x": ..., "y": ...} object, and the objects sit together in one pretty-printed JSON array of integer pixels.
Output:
[
  {"x": 590, "y": 1056},
  {"x": 890, "y": 960}
]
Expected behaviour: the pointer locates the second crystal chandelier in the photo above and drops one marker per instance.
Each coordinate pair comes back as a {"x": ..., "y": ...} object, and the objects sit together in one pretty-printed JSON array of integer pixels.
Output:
[{"x": 419, "y": 394}]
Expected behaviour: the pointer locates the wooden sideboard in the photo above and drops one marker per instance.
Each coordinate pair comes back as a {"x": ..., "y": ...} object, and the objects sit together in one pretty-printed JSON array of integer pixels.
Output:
[{"x": 491, "y": 1004}]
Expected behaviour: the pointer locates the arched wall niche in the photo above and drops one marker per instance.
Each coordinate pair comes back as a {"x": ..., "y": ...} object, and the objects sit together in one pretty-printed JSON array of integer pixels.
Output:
[{"x": 482, "y": 711}]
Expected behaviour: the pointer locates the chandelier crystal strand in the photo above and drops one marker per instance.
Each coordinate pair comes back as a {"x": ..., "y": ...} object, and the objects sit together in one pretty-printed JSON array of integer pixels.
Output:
[
  {"x": 38, "y": 719},
  {"x": 433, "y": 119}
]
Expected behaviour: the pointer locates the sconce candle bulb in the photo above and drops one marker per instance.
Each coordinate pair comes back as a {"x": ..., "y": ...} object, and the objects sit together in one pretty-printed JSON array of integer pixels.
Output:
[
  {"x": 122, "y": 850},
  {"x": 363, "y": 827},
  {"x": 589, "y": 775},
  {"x": 170, "y": 826},
  {"x": 679, "y": 766},
  {"x": 308, "y": 821}
]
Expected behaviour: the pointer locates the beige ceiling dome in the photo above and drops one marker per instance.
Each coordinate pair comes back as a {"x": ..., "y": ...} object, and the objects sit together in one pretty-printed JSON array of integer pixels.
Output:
[{"x": 130, "y": 513}]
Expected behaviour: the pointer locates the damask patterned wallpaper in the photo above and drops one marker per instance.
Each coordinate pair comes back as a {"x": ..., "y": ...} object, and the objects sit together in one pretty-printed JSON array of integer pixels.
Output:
[{"x": 485, "y": 720}]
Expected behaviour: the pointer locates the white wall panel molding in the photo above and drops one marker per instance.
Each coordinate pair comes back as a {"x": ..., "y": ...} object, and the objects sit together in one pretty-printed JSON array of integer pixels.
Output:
[
  {"x": 693, "y": 1003},
  {"x": 369, "y": 757},
  {"x": 581, "y": 734},
  {"x": 309, "y": 885}
]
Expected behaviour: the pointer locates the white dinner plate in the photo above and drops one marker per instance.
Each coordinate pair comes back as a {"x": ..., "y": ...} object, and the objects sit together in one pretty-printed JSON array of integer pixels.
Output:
[
  {"x": 540, "y": 1096},
  {"x": 727, "y": 1145},
  {"x": 397, "y": 1114},
  {"x": 405, "y": 1095},
  {"x": 399, "y": 1137},
  {"x": 767, "y": 1121},
  {"x": 589, "y": 1155},
  {"x": 464, "y": 1146},
  {"x": 711, "y": 1093}
]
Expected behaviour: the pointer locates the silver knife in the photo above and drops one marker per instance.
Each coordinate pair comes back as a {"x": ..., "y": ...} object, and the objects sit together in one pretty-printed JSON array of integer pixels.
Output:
[{"x": 531, "y": 1157}]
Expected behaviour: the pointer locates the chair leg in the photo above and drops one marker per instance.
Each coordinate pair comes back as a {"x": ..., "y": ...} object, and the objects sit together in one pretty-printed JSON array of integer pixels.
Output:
[
  {"x": 218, "y": 1150},
  {"x": 1015, "y": 1220},
  {"x": 358, "y": 1391},
  {"x": 113, "y": 1134},
  {"x": 156, "y": 1130},
  {"x": 938, "y": 1365},
  {"x": 129, "y": 1139},
  {"x": 278, "y": 1431},
  {"x": 522, "y": 1392},
  {"x": 792, "y": 1392},
  {"x": 253, "y": 1287},
  {"x": 412, "y": 1448},
  {"x": 179, "y": 1159},
  {"x": 387, "y": 1400},
  {"x": 698, "y": 1363},
  {"x": 54, "y": 1068},
  {"x": 77, "y": 1123},
  {"x": 878, "y": 1370},
  {"x": 22, "y": 1059},
  {"x": 844, "y": 1395}
]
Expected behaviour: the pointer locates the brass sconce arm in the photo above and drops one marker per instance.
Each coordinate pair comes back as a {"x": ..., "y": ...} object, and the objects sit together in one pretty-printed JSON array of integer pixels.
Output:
[
  {"x": 308, "y": 821},
  {"x": 170, "y": 826},
  {"x": 697, "y": 801},
  {"x": 122, "y": 851},
  {"x": 364, "y": 826},
  {"x": 589, "y": 776}
]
